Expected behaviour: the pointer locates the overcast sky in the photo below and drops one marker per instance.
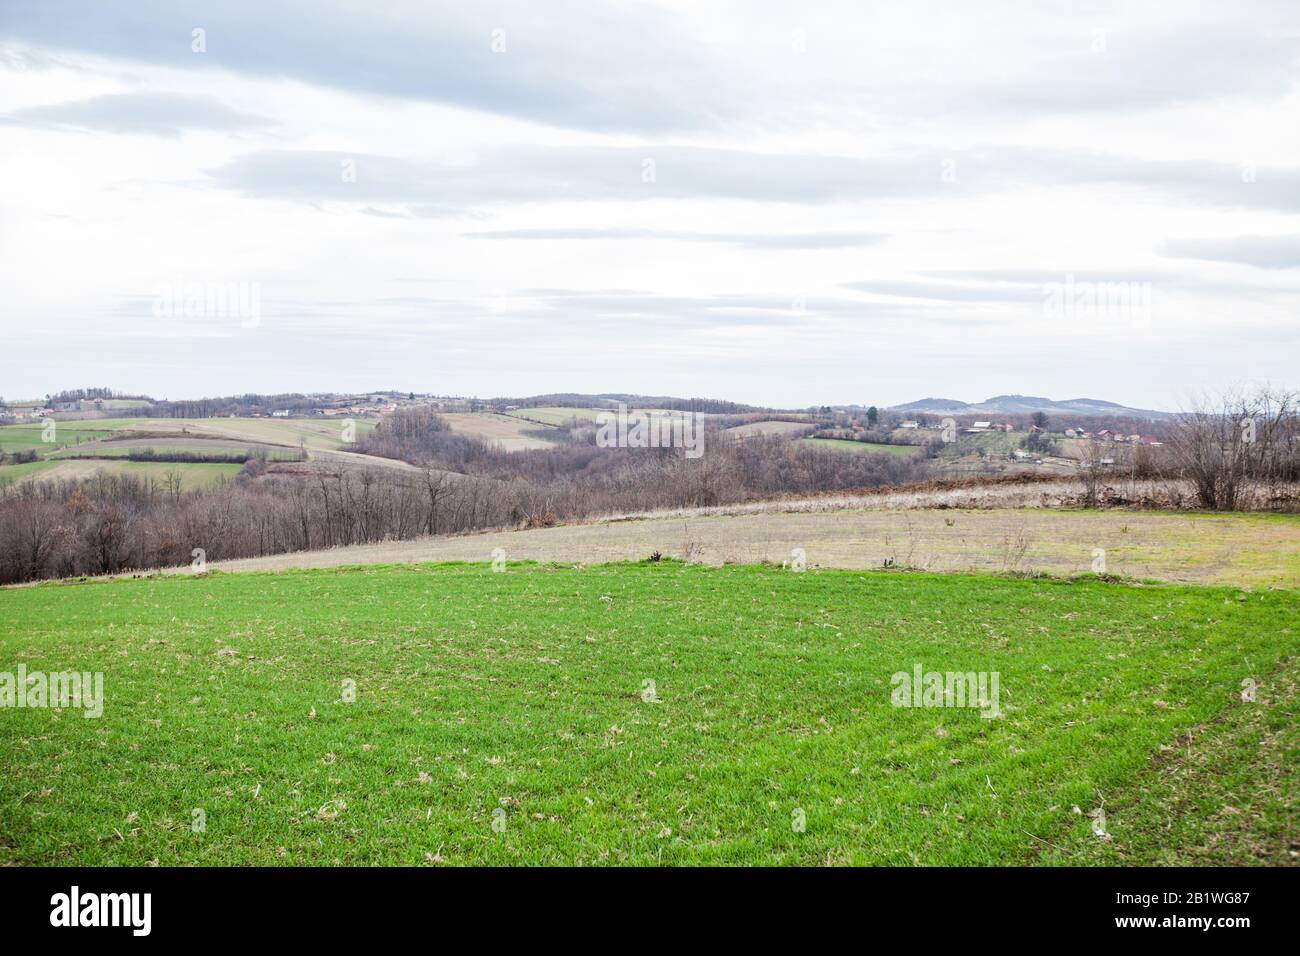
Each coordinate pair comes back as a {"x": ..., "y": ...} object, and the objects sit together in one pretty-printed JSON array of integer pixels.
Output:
[{"x": 781, "y": 203}]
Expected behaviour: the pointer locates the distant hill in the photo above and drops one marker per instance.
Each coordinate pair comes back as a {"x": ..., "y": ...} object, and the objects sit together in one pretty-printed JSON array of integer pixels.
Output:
[{"x": 1027, "y": 404}]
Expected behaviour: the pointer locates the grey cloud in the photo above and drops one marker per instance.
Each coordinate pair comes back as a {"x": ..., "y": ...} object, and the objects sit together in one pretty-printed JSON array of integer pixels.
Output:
[
  {"x": 1223, "y": 184},
  {"x": 1264, "y": 252},
  {"x": 1135, "y": 70},
  {"x": 801, "y": 240},
  {"x": 709, "y": 310},
  {"x": 538, "y": 174},
  {"x": 160, "y": 114},
  {"x": 1162, "y": 279},
  {"x": 567, "y": 63},
  {"x": 534, "y": 173},
  {"x": 625, "y": 67},
  {"x": 949, "y": 291}
]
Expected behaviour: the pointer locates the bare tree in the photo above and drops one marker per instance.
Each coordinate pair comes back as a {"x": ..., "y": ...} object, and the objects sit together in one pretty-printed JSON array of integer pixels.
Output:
[{"x": 1222, "y": 444}]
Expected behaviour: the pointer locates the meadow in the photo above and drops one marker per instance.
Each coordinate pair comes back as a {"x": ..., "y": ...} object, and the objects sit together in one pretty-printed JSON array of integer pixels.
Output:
[
  {"x": 556, "y": 415},
  {"x": 648, "y": 713},
  {"x": 82, "y": 447},
  {"x": 1251, "y": 550},
  {"x": 864, "y": 447},
  {"x": 193, "y": 474},
  {"x": 511, "y": 433},
  {"x": 315, "y": 433},
  {"x": 29, "y": 437}
]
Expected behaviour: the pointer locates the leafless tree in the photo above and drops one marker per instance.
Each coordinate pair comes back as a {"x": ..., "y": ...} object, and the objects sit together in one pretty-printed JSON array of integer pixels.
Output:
[{"x": 1224, "y": 443}]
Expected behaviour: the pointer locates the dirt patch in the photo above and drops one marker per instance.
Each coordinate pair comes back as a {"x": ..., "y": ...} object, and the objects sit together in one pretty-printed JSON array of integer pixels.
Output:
[
  {"x": 1221, "y": 549},
  {"x": 510, "y": 433},
  {"x": 769, "y": 428}
]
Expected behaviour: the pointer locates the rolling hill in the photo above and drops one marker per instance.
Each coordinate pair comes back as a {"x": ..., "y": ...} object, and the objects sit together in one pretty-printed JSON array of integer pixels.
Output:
[{"x": 1028, "y": 404}]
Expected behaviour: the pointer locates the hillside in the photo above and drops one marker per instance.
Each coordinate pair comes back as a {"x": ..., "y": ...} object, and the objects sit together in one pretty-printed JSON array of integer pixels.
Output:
[
  {"x": 1028, "y": 404},
  {"x": 647, "y": 714}
]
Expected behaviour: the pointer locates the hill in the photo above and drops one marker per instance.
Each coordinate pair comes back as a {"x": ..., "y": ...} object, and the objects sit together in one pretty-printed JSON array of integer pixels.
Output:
[
  {"x": 448, "y": 714},
  {"x": 1028, "y": 404}
]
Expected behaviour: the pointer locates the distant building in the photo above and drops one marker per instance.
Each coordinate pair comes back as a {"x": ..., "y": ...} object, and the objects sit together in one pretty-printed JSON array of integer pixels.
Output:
[
  {"x": 910, "y": 425},
  {"x": 982, "y": 426},
  {"x": 280, "y": 413}
]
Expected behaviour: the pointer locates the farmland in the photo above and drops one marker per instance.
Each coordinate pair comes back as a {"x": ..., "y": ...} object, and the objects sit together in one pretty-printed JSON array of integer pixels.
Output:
[
  {"x": 1245, "y": 549},
  {"x": 192, "y": 474},
  {"x": 768, "y": 428},
  {"x": 315, "y": 433},
  {"x": 29, "y": 437},
  {"x": 863, "y": 447},
  {"x": 80, "y": 449},
  {"x": 320, "y": 434},
  {"x": 555, "y": 415},
  {"x": 512, "y": 434},
  {"x": 563, "y": 416},
  {"x": 646, "y": 714}
]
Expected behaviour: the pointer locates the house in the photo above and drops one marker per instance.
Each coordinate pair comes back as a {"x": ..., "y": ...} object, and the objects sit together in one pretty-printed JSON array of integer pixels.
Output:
[
  {"x": 910, "y": 425},
  {"x": 280, "y": 413},
  {"x": 1150, "y": 440},
  {"x": 982, "y": 426}
]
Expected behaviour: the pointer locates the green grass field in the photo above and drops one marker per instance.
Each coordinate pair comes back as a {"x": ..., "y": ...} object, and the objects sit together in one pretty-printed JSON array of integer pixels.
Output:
[
  {"x": 864, "y": 447},
  {"x": 12, "y": 473},
  {"x": 521, "y": 699},
  {"x": 193, "y": 474},
  {"x": 213, "y": 449},
  {"x": 555, "y": 415},
  {"x": 318, "y": 433},
  {"x": 28, "y": 437}
]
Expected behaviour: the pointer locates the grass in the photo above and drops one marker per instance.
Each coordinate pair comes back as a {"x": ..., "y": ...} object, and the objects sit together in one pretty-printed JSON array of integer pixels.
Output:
[
  {"x": 28, "y": 437},
  {"x": 1255, "y": 550},
  {"x": 511, "y": 433},
  {"x": 564, "y": 415},
  {"x": 12, "y": 473},
  {"x": 193, "y": 474},
  {"x": 318, "y": 433},
  {"x": 865, "y": 447},
  {"x": 213, "y": 449},
  {"x": 556, "y": 415},
  {"x": 519, "y": 694}
]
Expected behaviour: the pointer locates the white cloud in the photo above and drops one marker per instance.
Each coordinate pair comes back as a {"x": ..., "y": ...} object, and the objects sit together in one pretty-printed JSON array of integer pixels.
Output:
[{"x": 778, "y": 203}]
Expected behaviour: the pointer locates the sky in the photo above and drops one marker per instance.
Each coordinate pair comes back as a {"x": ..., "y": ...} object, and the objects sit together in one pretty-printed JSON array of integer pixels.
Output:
[{"x": 787, "y": 204}]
